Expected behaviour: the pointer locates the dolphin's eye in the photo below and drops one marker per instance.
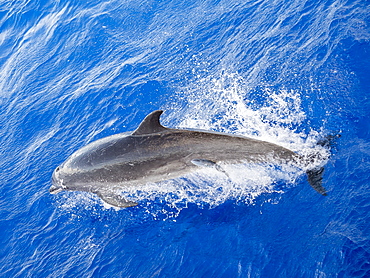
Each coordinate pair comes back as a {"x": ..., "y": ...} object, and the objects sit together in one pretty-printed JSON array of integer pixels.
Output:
[{"x": 57, "y": 169}]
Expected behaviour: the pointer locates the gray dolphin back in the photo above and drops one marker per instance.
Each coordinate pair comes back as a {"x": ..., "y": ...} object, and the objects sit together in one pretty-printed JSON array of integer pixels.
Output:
[{"x": 154, "y": 153}]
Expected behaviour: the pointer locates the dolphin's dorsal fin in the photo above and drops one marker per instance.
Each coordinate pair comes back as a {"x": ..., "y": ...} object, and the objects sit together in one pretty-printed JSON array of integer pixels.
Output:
[{"x": 150, "y": 124}]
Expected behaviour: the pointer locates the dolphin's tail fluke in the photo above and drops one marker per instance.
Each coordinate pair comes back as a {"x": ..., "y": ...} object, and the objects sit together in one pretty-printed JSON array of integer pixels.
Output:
[
  {"x": 315, "y": 175},
  {"x": 315, "y": 179}
]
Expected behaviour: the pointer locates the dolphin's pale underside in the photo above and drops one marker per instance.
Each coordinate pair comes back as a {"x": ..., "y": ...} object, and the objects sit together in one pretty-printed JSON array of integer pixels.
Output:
[{"x": 153, "y": 153}]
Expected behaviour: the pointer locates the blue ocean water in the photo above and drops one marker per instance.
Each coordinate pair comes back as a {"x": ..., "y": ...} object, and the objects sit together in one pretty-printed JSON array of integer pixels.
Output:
[{"x": 289, "y": 72}]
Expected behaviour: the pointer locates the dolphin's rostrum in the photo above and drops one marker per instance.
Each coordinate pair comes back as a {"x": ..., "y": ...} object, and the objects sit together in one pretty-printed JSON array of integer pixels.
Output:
[{"x": 153, "y": 153}]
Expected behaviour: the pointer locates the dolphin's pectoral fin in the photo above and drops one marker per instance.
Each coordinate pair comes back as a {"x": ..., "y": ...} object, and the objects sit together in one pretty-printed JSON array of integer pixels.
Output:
[
  {"x": 115, "y": 199},
  {"x": 208, "y": 163},
  {"x": 203, "y": 162},
  {"x": 315, "y": 179}
]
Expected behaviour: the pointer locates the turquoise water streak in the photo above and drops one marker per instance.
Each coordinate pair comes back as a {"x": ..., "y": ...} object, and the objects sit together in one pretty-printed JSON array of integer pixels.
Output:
[{"x": 289, "y": 72}]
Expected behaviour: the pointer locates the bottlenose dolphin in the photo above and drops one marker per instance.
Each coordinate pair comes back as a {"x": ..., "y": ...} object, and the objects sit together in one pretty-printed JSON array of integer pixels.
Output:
[{"x": 154, "y": 153}]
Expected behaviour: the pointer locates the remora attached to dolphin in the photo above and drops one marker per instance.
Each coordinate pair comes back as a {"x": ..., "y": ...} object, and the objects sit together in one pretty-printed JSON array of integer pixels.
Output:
[{"x": 154, "y": 153}]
